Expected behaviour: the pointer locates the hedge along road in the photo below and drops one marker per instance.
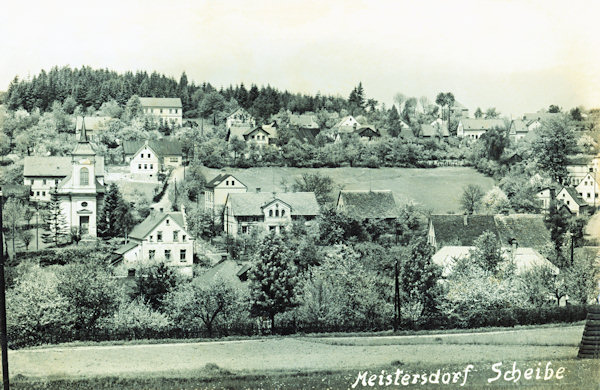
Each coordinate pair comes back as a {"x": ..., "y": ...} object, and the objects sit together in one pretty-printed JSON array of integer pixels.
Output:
[{"x": 296, "y": 353}]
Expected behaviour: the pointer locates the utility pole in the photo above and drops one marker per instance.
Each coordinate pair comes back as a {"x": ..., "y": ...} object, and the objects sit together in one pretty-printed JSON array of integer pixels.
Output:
[
  {"x": 396, "y": 297},
  {"x": 3, "y": 336}
]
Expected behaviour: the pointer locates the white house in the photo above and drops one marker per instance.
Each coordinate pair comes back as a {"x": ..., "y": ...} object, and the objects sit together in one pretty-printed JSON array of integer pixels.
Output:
[
  {"x": 147, "y": 158},
  {"x": 570, "y": 197},
  {"x": 347, "y": 124},
  {"x": 475, "y": 128},
  {"x": 240, "y": 118},
  {"x": 260, "y": 136},
  {"x": 518, "y": 130},
  {"x": 544, "y": 197},
  {"x": 167, "y": 110},
  {"x": 580, "y": 165},
  {"x": 589, "y": 190},
  {"x": 272, "y": 212},
  {"x": 161, "y": 237},
  {"x": 217, "y": 190}
]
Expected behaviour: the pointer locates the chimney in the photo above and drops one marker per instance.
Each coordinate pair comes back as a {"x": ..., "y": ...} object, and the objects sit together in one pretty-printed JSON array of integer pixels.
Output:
[
  {"x": 257, "y": 190},
  {"x": 465, "y": 219}
]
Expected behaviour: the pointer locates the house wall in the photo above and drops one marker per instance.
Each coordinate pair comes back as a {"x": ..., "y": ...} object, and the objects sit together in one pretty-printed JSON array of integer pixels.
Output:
[
  {"x": 240, "y": 119},
  {"x": 41, "y": 187},
  {"x": 145, "y": 165},
  {"x": 569, "y": 201},
  {"x": 589, "y": 190},
  {"x": 168, "y": 241},
  {"x": 219, "y": 194},
  {"x": 260, "y": 138},
  {"x": 543, "y": 198},
  {"x": 171, "y": 115},
  {"x": 172, "y": 161}
]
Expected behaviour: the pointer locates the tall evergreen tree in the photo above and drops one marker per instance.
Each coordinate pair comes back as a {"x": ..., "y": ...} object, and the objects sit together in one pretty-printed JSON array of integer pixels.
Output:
[
  {"x": 115, "y": 217},
  {"x": 55, "y": 222}
]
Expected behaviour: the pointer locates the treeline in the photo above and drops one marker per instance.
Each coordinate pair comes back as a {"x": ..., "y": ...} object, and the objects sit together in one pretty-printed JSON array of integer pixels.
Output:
[{"x": 89, "y": 87}]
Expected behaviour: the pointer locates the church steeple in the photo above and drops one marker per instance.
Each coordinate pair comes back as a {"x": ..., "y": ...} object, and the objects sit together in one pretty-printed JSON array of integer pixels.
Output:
[{"x": 83, "y": 147}]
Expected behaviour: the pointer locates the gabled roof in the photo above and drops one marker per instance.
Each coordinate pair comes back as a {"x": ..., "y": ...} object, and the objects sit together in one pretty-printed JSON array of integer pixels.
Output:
[
  {"x": 161, "y": 147},
  {"x": 482, "y": 124},
  {"x": 529, "y": 230},
  {"x": 240, "y": 109},
  {"x": 434, "y": 130},
  {"x": 251, "y": 203},
  {"x": 219, "y": 179},
  {"x": 126, "y": 248},
  {"x": 92, "y": 122},
  {"x": 368, "y": 129},
  {"x": 518, "y": 126},
  {"x": 160, "y": 102},
  {"x": 228, "y": 271},
  {"x": 572, "y": 192},
  {"x": 306, "y": 135},
  {"x": 368, "y": 204},
  {"x": 451, "y": 229},
  {"x": 55, "y": 166},
  {"x": 144, "y": 228}
]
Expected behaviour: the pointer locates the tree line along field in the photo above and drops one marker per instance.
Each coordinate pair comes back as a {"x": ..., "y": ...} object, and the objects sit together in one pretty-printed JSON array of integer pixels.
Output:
[{"x": 436, "y": 189}]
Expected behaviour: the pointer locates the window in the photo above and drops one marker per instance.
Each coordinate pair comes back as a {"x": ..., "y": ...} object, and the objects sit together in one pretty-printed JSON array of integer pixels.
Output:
[
  {"x": 37, "y": 193},
  {"x": 84, "y": 204},
  {"x": 151, "y": 254},
  {"x": 232, "y": 183},
  {"x": 167, "y": 222},
  {"x": 227, "y": 182},
  {"x": 245, "y": 229},
  {"x": 183, "y": 237},
  {"x": 177, "y": 111},
  {"x": 145, "y": 166},
  {"x": 277, "y": 213},
  {"x": 148, "y": 155},
  {"x": 43, "y": 193},
  {"x": 167, "y": 254},
  {"x": 55, "y": 182},
  {"x": 84, "y": 177},
  {"x": 282, "y": 213},
  {"x": 31, "y": 181},
  {"x": 159, "y": 236},
  {"x": 131, "y": 272},
  {"x": 173, "y": 159},
  {"x": 161, "y": 110},
  {"x": 150, "y": 238},
  {"x": 182, "y": 255},
  {"x": 139, "y": 166},
  {"x": 270, "y": 213},
  {"x": 151, "y": 166},
  {"x": 591, "y": 169},
  {"x": 271, "y": 228},
  {"x": 175, "y": 236},
  {"x": 44, "y": 182},
  {"x": 588, "y": 194}
]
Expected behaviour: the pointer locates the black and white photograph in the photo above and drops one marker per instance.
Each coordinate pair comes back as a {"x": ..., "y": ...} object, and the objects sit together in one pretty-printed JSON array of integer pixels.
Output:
[{"x": 299, "y": 194}]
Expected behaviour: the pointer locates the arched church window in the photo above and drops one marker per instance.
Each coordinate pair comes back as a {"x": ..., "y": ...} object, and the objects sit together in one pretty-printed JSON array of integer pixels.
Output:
[{"x": 84, "y": 176}]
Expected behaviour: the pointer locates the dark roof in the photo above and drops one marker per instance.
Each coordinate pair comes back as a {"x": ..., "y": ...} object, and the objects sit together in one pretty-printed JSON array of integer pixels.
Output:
[
  {"x": 541, "y": 116},
  {"x": 306, "y": 135},
  {"x": 368, "y": 204},
  {"x": 142, "y": 229},
  {"x": 434, "y": 131},
  {"x": 529, "y": 230},
  {"x": 161, "y": 147},
  {"x": 126, "y": 248},
  {"x": 251, "y": 203},
  {"x": 367, "y": 131},
  {"x": 160, "y": 102},
  {"x": 55, "y": 166},
  {"x": 228, "y": 271},
  {"x": 219, "y": 179},
  {"x": 451, "y": 229}
]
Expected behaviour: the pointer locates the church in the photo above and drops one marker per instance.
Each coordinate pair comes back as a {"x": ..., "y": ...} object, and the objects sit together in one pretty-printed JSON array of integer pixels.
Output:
[
  {"x": 78, "y": 181},
  {"x": 81, "y": 192}
]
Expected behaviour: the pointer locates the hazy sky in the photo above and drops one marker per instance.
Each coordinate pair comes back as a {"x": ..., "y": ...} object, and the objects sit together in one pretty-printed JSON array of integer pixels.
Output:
[{"x": 518, "y": 56}]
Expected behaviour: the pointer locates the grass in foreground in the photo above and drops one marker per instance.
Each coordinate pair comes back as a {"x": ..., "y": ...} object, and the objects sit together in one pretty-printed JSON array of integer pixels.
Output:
[{"x": 578, "y": 374}]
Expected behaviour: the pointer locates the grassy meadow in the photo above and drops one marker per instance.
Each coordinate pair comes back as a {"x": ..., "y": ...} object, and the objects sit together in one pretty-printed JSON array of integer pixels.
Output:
[{"x": 437, "y": 189}]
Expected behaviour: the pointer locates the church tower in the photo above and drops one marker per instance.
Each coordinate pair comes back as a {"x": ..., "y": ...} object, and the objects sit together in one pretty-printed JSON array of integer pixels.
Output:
[{"x": 80, "y": 192}]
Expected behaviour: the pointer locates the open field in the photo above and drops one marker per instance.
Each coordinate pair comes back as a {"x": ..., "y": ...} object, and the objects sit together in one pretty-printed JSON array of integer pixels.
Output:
[
  {"x": 302, "y": 362},
  {"x": 437, "y": 189}
]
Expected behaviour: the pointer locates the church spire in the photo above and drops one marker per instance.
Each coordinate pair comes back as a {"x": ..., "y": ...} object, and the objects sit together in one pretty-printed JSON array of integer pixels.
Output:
[{"x": 83, "y": 135}]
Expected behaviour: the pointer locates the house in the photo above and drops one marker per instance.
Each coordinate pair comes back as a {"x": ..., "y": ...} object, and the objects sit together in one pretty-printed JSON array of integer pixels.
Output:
[
  {"x": 94, "y": 125},
  {"x": 260, "y": 136},
  {"x": 512, "y": 158},
  {"x": 267, "y": 211},
  {"x": 435, "y": 130},
  {"x": 570, "y": 197},
  {"x": 161, "y": 237},
  {"x": 218, "y": 188},
  {"x": 367, "y": 132},
  {"x": 147, "y": 158},
  {"x": 43, "y": 174},
  {"x": 231, "y": 272},
  {"x": 369, "y": 205},
  {"x": 347, "y": 124},
  {"x": 304, "y": 121},
  {"x": 580, "y": 165},
  {"x": 458, "y": 110},
  {"x": 544, "y": 196},
  {"x": 474, "y": 128},
  {"x": 168, "y": 110},
  {"x": 518, "y": 130},
  {"x": 459, "y": 230},
  {"x": 240, "y": 118},
  {"x": 535, "y": 120},
  {"x": 589, "y": 190},
  {"x": 512, "y": 231}
]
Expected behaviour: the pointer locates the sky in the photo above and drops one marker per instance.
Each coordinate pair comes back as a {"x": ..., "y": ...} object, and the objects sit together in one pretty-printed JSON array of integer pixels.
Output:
[{"x": 517, "y": 56}]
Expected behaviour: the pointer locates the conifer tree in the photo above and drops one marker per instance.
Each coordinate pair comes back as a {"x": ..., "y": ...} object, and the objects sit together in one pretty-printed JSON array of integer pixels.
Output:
[
  {"x": 115, "y": 217},
  {"x": 55, "y": 222}
]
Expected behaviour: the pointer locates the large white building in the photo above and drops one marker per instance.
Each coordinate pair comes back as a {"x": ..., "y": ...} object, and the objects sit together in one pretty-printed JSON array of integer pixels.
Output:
[
  {"x": 167, "y": 110},
  {"x": 217, "y": 190}
]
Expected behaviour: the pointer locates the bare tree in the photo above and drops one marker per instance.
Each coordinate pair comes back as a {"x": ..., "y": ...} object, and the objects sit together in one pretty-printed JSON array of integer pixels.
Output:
[{"x": 471, "y": 197}]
